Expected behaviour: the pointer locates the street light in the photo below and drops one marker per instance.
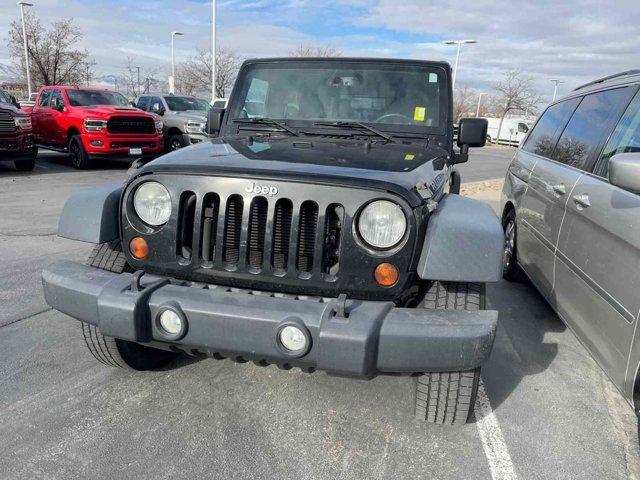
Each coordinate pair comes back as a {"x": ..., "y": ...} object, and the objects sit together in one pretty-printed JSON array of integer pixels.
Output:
[
  {"x": 556, "y": 81},
  {"x": 138, "y": 68},
  {"x": 213, "y": 52},
  {"x": 26, "y": 50},
  {"x": 455, "y": 68},
  {"x": 478, "y": 109},
  {"x": 173, "y": 60}
]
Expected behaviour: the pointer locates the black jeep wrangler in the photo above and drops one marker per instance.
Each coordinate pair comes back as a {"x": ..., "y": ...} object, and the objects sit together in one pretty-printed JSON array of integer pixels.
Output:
[{"x": 321, "y": 228}]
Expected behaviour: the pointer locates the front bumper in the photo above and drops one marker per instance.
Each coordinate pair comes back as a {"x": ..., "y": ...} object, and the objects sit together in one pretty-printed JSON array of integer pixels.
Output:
[
  {"x": 372, "y": 338},
  {"x": 113, "y": 147}
]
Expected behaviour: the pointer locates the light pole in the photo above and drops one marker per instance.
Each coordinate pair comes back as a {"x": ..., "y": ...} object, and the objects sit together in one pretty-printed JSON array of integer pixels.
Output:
[
  {"x": 555, "y": 81},
  {"x": 26, "y": 49},
  {"x": 173, "y": 60},
  {"x": 138, "y": 89},
  {"x": 478, "y": 109},
  {"x": 213, "y": 51},
  {"x": 455, "y": 68}
]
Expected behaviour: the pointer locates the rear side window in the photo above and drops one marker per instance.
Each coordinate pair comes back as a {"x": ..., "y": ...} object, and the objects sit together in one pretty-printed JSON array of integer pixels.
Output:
[
  {"x": 44, "y": 98},
  {"x": 625, "y": 138},
  {"x": 593, "y": 119},
  {"x": 542, "y": 138}
]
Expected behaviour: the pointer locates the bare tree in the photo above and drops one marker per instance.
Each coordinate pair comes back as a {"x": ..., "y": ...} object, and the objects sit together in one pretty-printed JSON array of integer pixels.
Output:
[
  {"x": 54, "y": 56},
  {"x": 515, "y": 92},
  {"x": 135, "y": 82},
  {"x": 308, "y": 50},
  {"x": 194, "y": 75},
  {"x": 463, "y": 98}
]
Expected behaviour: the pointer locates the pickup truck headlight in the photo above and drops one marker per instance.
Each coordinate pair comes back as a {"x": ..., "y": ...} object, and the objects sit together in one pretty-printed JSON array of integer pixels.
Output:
[
  {"x": 23, "y": 122},
  {"x": 93, "y": 125},
  {"x": 159, "y": 126},
  {"x": 382, "y": 224},
  {"x": 152, "y": 203},
  {"x": 195, "y": 127}
]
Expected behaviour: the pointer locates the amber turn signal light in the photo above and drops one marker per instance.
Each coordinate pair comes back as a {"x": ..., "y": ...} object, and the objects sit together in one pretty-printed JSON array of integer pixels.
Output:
[
  {"x": 386, "y": 275},
  {"x": 139, "y": 248}
]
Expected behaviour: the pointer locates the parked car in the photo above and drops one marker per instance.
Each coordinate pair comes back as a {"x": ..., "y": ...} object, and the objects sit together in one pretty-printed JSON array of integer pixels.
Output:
[
  {"x": 16, "y": 134},
  {"x": 184, "y": 117},
  {"x": 27, "y": 104},
  {"x": 90, "y": 124},
  {"x": 319, "y": 234},
  {"x": 572, "y": 219},
  {"x": 512, "y": 132}
]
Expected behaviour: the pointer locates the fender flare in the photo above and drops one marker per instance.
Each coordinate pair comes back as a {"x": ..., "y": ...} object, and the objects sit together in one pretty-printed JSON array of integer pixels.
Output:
[
  {"x": 92, "y": 215},
  {"x": 464, "y": 242}
]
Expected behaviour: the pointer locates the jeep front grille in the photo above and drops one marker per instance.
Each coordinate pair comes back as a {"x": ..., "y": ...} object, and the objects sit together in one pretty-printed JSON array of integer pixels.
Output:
[
  {"x": 131, "y": 125},
  {"x": 7, "y": 123}
]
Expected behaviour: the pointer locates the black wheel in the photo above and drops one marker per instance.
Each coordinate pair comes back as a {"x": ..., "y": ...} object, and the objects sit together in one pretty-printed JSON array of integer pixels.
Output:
[
  {"x": 113, "y": 351},
  {"x": 448, "y": 398},
  {"x": 77, "y": 154},
  {"x": 176, "y": 142},
  {"x": 510, "y": 269}
]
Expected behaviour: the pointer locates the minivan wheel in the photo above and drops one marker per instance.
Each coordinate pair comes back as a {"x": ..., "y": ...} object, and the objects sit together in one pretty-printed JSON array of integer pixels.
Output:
[
  {"x": 510, "y": 269},
  {"x": 77, "y": 154}
]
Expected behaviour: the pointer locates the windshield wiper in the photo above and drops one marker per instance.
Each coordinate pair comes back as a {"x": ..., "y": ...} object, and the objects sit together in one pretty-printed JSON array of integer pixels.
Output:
[
  {"x": 266, "y": 121},
  {"x": 353, "y": 125}
]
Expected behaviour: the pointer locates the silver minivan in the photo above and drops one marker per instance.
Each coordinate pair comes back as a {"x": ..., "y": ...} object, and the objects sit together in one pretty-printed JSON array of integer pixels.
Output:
[{"x": 571, "y": 215}]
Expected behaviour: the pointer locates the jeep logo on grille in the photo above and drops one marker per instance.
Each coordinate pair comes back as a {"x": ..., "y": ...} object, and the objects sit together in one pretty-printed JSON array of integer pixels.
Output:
[{"x": 263, "y": 189}]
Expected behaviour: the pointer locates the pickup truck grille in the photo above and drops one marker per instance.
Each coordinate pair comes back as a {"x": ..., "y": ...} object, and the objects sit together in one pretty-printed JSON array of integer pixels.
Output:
[
  {"x": 7, "y": 123},
  {"x": 131, "y": 125},
  {"x": 265, "y": 235}
]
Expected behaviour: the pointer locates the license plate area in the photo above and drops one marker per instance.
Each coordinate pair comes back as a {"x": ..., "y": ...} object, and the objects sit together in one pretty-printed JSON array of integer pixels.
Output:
[{"x": 135, "y": 151}]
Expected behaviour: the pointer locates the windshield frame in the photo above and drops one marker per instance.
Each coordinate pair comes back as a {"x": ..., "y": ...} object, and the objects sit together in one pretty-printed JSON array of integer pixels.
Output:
[
  {"x": 444, "y": 79},
  {"x": 111, "y": 92}
]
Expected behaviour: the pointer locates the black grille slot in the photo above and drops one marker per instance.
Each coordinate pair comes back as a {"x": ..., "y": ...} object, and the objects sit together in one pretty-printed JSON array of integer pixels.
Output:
[
  {"x": 233, "y": 229},
  {"x": 7, "y": 123},
  {"x": 307, "y": 236},
  {"x": 281, "y": 234},
  {"x": 132, "y": 125},
  {"x": 334, "y": 221},
  {"x": 187, "y": 213},
  {"x": 257, "y": 227},
  {"x": 210, "y": 208}
]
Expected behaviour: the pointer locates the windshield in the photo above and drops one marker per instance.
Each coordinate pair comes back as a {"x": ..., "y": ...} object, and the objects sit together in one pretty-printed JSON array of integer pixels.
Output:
[
  {"x": 395, "y": 96},
  {"x": 87, "y": 98},
  {"x": 182, "y": 104}
]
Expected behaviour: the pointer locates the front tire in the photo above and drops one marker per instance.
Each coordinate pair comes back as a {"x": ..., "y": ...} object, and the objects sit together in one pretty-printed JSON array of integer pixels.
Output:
[
  {"x": 176, "y": 142},
  {"x": 448, "y": 398},
  {"x": 113, "y": 351},
  {"x": 77, "y": 153}
]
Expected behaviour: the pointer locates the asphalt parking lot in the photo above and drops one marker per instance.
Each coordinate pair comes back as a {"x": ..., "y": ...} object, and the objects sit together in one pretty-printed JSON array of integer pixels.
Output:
[{"x": 549, "y": 411}]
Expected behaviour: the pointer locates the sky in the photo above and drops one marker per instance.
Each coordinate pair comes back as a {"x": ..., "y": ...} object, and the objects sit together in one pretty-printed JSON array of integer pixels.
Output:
[{"x": 575, "y": 41}]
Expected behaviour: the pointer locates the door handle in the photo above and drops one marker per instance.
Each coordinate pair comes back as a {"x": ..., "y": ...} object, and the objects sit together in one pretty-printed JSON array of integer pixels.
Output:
[
  {"x": 560, "y": 189},
  {"x": 582, "y": 201}
]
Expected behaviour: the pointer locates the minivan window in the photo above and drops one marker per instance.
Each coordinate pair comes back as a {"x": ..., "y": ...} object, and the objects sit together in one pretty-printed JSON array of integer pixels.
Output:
[
  {"x": 541, "y": 139},
  {"x": 594, "y": 118},
  {"x": 625, "y": 138}
]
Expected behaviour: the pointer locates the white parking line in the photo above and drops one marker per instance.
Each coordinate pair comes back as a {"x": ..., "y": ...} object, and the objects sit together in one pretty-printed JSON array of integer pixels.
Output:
[{"x": 495, "y": 448}]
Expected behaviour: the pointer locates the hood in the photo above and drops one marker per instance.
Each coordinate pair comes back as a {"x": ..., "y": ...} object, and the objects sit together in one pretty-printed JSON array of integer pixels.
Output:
[
  {"x": 189, "y": 115},
  {"x": 104, "y": 110},
  {"x": 399, "y": 168},
  {"x": 8, "y": 107}
]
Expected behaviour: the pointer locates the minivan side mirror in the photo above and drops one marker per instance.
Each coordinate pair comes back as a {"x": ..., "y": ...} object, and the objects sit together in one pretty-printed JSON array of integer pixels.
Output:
[
  {"x": 624, "y": 171},
  {"x": 214, "y": 120},
  {"x": 472, "y": 132}
]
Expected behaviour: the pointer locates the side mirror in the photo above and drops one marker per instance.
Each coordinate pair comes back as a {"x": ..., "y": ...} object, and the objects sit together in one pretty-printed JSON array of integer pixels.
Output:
[
  {"x": 214, "y": 120},
  {"x": 15, "y": 102},
  {"x": 624, "y": 171},
  {"x": 158, "y": 109},
  {"x": 472, "y": 132},
  {"x": 133, "y": 104}
]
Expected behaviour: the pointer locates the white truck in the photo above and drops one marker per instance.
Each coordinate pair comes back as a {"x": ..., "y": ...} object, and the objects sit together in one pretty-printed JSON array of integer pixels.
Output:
[{"x": 512, "y": 132}]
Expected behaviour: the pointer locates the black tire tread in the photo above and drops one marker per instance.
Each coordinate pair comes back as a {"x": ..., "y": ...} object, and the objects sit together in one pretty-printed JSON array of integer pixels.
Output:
[{"x": 448, "y": 398}]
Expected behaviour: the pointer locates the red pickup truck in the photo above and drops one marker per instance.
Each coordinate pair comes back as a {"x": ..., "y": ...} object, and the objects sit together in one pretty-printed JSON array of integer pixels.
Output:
[
  {"x": 16, "y": 137},
  {"x": 91, "y": 124}
]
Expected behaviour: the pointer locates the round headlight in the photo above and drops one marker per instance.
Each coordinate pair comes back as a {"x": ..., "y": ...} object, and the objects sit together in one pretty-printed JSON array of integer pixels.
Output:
[
  {"x": 152, "y": 203},
  {"x": 382, "y": 224}
]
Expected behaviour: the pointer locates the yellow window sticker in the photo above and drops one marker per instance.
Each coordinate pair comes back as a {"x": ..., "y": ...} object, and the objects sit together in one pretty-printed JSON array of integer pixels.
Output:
[
  {"x": 410, "y": 156},
  {"x": 419, "y": 114}
]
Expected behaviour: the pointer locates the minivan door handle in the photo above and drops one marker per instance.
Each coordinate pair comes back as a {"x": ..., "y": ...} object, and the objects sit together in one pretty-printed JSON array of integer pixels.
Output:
[
  {"x": 582, "y": 201},
  {"x": 560, "y": 189}
]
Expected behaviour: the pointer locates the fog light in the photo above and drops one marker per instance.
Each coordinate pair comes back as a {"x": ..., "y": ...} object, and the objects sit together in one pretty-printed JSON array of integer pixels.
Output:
[
  {"x": 96, "y": 143},
  {"x": 139, "y": 248},
  {"x": 386, "y": 275},
  {"x": 171, "y": 322},
  {"x": 293, "y": 339}
]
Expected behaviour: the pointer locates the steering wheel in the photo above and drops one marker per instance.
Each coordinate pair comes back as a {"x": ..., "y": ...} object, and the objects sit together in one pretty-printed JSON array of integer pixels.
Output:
[{"x": 399, "y": 116}]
